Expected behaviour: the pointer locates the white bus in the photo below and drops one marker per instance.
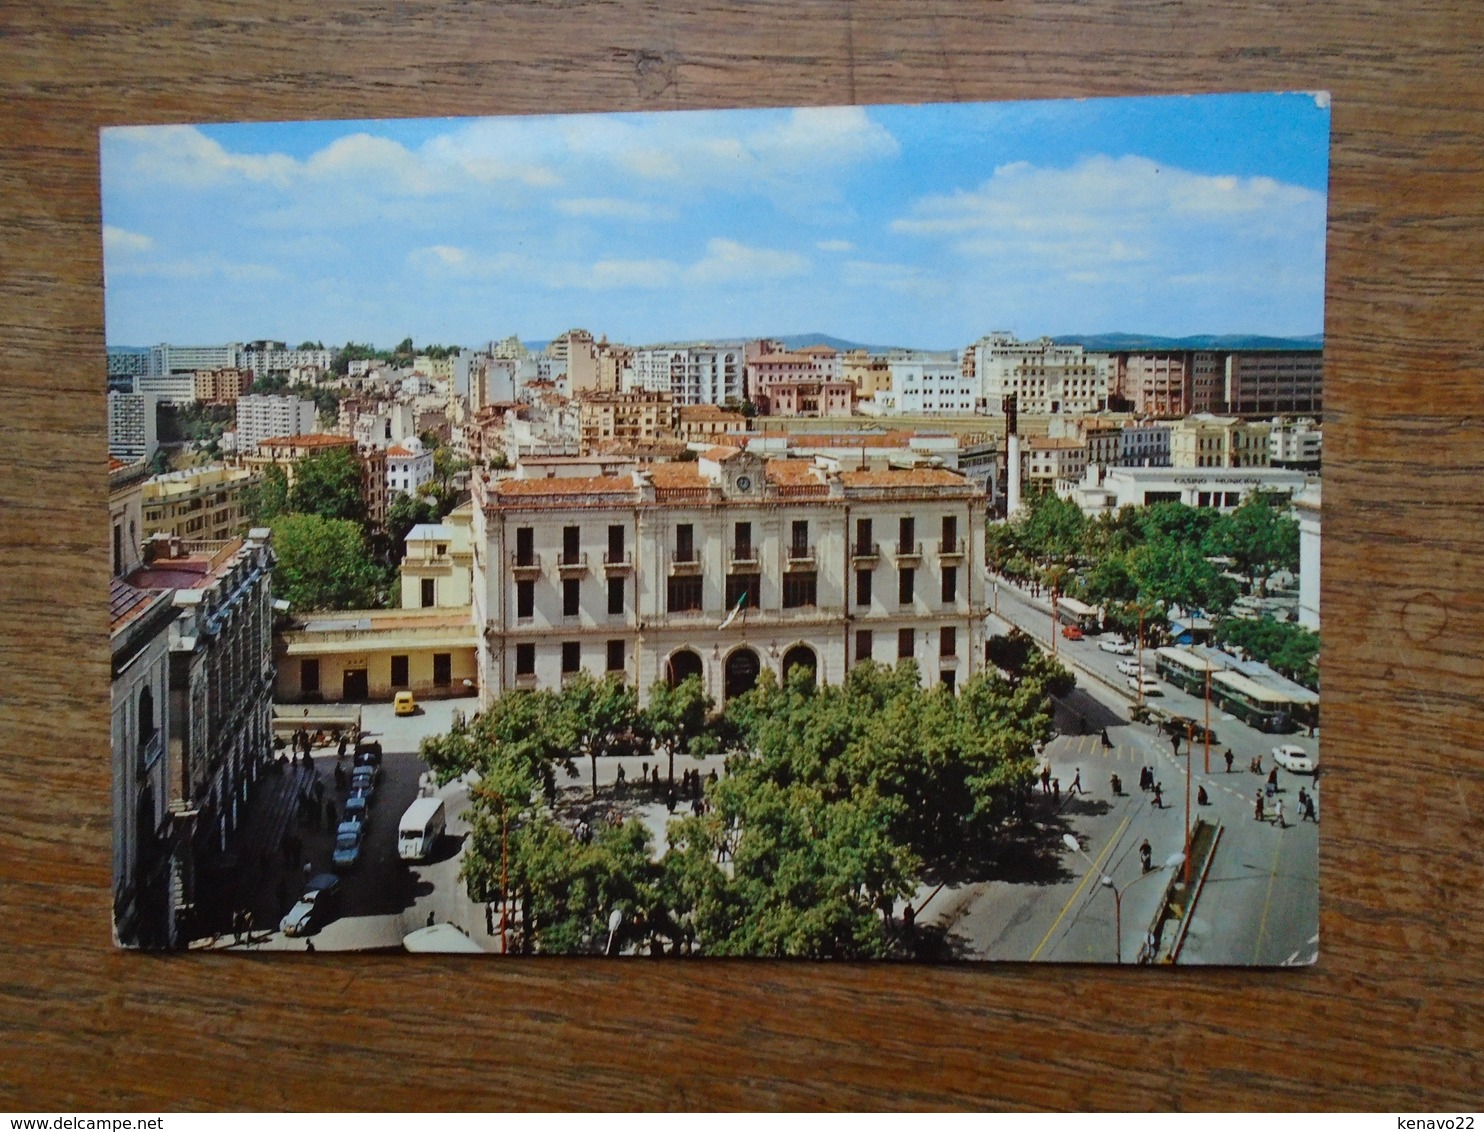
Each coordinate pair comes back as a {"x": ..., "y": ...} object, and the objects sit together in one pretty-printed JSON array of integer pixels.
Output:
[{"x": 419, "y": 829}]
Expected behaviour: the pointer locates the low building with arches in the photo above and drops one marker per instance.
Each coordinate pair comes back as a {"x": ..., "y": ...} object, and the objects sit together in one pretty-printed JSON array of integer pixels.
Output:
[{"x": 724, "y": 567}]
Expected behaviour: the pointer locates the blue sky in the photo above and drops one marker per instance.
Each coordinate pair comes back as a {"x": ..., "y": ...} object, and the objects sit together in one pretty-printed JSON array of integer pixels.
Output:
[{"x": 908, "y": 225}]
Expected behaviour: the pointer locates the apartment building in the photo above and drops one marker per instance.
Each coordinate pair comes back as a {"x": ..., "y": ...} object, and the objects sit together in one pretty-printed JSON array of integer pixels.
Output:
[
  {"x": 1045, "y": 460},
  {"x": 928, "y": 384},
  {"x": 132, "y": 431},
  {"x": 438, "y": 566},
  {"x": 1046, "y": 378},
  {"x": 723, "y": 567},
  {"x": 867, "y": 372},
  {"x": 198, "y": 503},
  {"x": 1144, "y": 444},
  {"x": 261, "y": 416},
  {"x": 692, "y": 375},
  {"x": 1208, "y": 441},
  {"x": 286, "y": 451},
  {"x": 638, "y": 416},
  {"x": 1274, "y": 381},
  {"x": 1295, "y": 444},
  {"x": 710, "y": 424},
  {"x": 1154, "y": 384},
  {"x": 275, "y": 359},
  {"x": 408, "y": 466},
  {"x": 125, "y": 367},
  {"x": 222, "y": 386}
]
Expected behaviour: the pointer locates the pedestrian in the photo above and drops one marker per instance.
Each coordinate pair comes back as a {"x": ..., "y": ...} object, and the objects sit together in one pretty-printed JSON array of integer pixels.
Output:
[
  {"x": 1201, "y": 797},
  {"x": 1076, "y": 787},
  {"x": 620, "y": 776},
  {"x": 712, "y": 777},
  {"x": 1309, "y": 814},
  {"x": 1159, "y": 796},
  {"x": 670, "y": 799},
  {"x": 339, "y": 777},
  {"x": 309, "y": 946},
  {"x": 1056, "y": 791},
  {"x": 1175, "y": 742},
  {"x": 237, "y": 926},
  {"x": 1257, "y": 806},
  {"x": 1229, "y": 757},
  {"x": 1045, "y": 778},
  {"x": 1303, "y": 799},
  {"x": 1107, "y": 743},
  {"x": 430, "y": 919},
  {"x": 340, "y": 748},
  {"x": 644, "y": 771},
  {"x": 1273, "y": 778},
  {"x": 247, "y": 923},
  {"x": 909, "y": 921},
  {"x": 1144, "y": 777},
  {"x": 1146, "y": 855},
  {"x": 1282, "y": 824},
  {"x": 319, "y": 789},
  {"x": 489, "y": 918}
]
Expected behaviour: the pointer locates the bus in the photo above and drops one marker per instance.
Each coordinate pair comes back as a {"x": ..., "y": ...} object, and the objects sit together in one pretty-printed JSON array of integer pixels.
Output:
[
  {"x": 1184, "y": 669},
  {"x": 1266, "y": 709},
  {"x": 1070, "y": 611},
  {"x": 419, "y": 829}
]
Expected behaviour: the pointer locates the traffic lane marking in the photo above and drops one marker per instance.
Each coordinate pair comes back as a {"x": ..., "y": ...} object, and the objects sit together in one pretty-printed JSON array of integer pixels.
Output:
[{"x": 1077, "y": 892}]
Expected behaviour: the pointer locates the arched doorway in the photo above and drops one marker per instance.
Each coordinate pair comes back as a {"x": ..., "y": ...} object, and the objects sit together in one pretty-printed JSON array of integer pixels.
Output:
[
  {"x": 682, "y": 666},
  {"x": 742, "y": 671},
  {"x": 800, "y": 656}
]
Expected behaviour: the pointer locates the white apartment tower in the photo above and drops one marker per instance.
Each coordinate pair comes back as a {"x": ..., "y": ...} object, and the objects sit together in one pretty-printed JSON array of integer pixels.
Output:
[
  {"x": 692, "y": 375},
  {"x": 131, "y": 426},
  {"x": 262, "y": 417}
]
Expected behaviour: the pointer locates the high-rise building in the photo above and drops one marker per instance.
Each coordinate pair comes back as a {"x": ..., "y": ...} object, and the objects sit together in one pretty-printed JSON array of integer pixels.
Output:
[
  {"x": 1047, "y": 379},
  {"x": 1274, "y": 381},
  {"x": 692, "y": 375},
  {"x": 131, "y": 426},
  {"x": 260, "y": 416}
]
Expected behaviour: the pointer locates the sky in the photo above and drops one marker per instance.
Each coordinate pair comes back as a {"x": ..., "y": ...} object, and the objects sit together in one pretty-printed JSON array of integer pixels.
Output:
[{"x": 919, "y": 226}]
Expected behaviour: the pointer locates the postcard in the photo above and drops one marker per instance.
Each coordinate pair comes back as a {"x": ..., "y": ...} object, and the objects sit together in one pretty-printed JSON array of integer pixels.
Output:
[{"x": 861, "y": 532}]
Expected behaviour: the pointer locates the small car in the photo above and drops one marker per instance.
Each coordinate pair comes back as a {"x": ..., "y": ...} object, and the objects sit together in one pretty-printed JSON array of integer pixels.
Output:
[
  {"x": 1128, "y": 667},
  {"x": 348, "y": 839},
  {"x": 367, "y": 748},
  {"x": 312, "y": 907},
  {"x": 403, "y": 703},
  {"x": 363, "y": 778},
  {"x": 1150, "y": 686},
  {"x": 1071, "y": 632},
  {"x": 1118, "y": 648},
  {"x": 358, "y": 808},
  {"x": 1294, "y": 759}
]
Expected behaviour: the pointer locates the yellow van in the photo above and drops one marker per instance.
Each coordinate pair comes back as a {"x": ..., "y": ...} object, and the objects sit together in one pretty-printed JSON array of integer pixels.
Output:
[{"x": 404, "y": 704}]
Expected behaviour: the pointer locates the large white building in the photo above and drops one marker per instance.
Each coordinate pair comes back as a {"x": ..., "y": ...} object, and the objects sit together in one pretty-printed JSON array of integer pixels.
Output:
[
  {"x": 692, "y": 375},
  {"x": 1220, "y": 487},
  {"x": 1306, "y": 507},
  {"x": 408, "y": 466},
  {"x": 1047, "y": 379},
  {"x": 261, "y": 417},
  {"x": 640, "y": 574},
  {"x": 267, "y": 359},
  {"x": 928, "y": 383},
  {"x": 1295, "y": 444},
  {"x": 131, "y": 426}
]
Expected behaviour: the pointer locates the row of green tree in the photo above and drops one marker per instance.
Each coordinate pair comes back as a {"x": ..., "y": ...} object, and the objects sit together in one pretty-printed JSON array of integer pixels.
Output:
[
  {"x": 838, "y": 800},
  {"x": 400, "y": 355},
  {"x": 1146, "y": 561}
]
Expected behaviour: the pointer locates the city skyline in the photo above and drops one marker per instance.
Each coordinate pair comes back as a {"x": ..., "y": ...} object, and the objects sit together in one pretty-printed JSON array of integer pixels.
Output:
[{"x": 922, "y": 226}]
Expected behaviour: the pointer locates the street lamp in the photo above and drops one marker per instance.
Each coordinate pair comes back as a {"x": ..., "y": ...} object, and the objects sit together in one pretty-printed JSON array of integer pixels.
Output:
[{"x": 1071, "y": 842}]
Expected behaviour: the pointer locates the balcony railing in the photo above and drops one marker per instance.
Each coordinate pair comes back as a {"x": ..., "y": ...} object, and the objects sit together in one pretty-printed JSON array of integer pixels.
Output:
[
  {"x": 525, "y": 565},
  {"x": 617, "y": 563},
  {"x": 800, "y": 556},
  {"x": 909, "y": 551},
  {"x": 572, "y": 565},
  {"x": 865, "y": 553},
  {"x": 525, "y": 679},
  {"x": 744, "y": 559},
  {"x": 686, "y": 560},
  {"x": 951, "y": 548}
]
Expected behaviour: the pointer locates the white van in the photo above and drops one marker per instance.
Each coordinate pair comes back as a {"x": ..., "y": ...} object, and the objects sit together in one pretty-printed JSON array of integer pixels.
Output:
[{"x": 419, "y": 829}]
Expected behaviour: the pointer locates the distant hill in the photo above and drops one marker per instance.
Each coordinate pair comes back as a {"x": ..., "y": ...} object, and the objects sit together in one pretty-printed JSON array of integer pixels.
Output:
[
  {"x": 1118, "y": 341},
  {"x": 799, "y": 341}
]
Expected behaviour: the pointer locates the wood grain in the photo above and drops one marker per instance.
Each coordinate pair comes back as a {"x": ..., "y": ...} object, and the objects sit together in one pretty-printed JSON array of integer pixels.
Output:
[{"x": 1390, "y": 1017}]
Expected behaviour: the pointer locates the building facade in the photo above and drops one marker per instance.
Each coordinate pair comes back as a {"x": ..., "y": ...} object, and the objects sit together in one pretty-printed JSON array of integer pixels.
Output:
[
  {"x": 1154, "y": 384},
  {"x": 438, "y": 565},
  {"x": 260, "y": 417},
  {"x": 408, "y": 466},
  {"x": 363, "y": 656},
  {"x": 692, "y": 375},
  {"x": 709, "y": 424},
  {"x": 1046, "y": 378},
  {"x": 1295, "y": 444},
  {"x": 635, "y": 417},
  {"x": 1208, "y": 441},
  {"x": 132, "y": 426},
  {"x": 1215, "y": 487},
  {"x": 1144, "y": 444},
  {"x": 199, "y": 503},
  {"x": 222, "y": 386},
  {"x": 1306, "y": 508},
  {"x": 1269, "y": 382},
  {"x": 722, "y": 567}
]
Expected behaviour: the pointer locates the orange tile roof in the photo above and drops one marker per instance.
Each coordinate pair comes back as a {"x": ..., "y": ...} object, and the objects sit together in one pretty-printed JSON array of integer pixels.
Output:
[
  {"x": 1049, "y": 443},
  {"x": 559, "y": 485},
  {"x": 791, "y": 471},
  {"x": 114, "y": 464},
  {"x": 720, "y": 452},
  {"x": 904, "y": 477},
  {"x": 680, "y": 474},
  {"x": 398, "y": 450}
]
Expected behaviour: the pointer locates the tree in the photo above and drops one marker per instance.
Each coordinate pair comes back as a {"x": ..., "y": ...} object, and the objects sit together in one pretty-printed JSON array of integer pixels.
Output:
[
  {"x": 274, "y": 384},
  {"x": 159, "y": 463},
  {"x": 596, "y": 715},
  {"x": 402, "y": 514},
  {"x": 1286, "y": 648},
  {"x": 269, "y": 497},
  {"x": 1259, "y": 536},
  {"x": 440, "y": 490},
  {"x": 676, "y": 717},
  {"x": 328, "y": 484},
  {"x": 324, "y": 564}
]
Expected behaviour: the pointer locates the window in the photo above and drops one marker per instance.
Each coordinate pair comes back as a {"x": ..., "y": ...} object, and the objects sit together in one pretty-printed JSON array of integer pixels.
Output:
[
  {"x": 950, "y": 584},
  {"x": 685, "y": 543},
  {"x": 525, "y": 660},
  {"x": 904, "y": 643},
  {"x": 616, "y": 657},
  {"x": 684, "y": 594},
  {"x": 743, "y": 588},
  {"x": 309, "y": 674},
  {"x": 948, "y": 641},
  {"x": 442, "y": 669},
  {"x": 800, "y": 590},
  {"x": 525, "y": 546},
  {"x": 571, "y": 656},
  {"x": 571, "y": 596},
  {"x": 429, "y": 592},
  {"x": 399, "y": 672},
  {"x": 906, "y": 535},
  {"x": 441, "y": 549},
  {"x": 525, "y": 599},
  {"x": 615, "y": 542},
  {"x": 742, "y": 542},
  {"x": 118, "y": 550},
  {"x": 947, "y": 677},
  {"x": 571, "y": 536},
  {"x": 800, "y": 543},
  {"x": 950, "y": 534},
  {"x": 863, "y": 587},
  {"x": 615, "y": 597},
  {"x": 862, "y": 645},
  {"x": 906, "y": 580}
]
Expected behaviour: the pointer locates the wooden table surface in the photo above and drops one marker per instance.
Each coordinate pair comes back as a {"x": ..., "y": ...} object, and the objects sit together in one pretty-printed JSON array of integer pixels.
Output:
[{"x": 1389, "y": 1019}]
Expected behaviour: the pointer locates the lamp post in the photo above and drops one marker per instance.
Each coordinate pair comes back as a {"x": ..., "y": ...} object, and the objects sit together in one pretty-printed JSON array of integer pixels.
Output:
[{"x": 1071, "y": 842}]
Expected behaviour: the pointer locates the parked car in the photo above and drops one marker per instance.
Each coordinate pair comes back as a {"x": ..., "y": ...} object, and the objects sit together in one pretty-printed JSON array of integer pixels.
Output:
[
  {"x": 368, "y": 748},
  {"x": 403, "y": 703},
  {"x": 348, "y": 839},
  {"x": 1118, "y": 648},
  {"x": 358, "y": 807},
  {"x": 364, "y": 777},
  {"x": 313, "y": 907},
  {"x": 1129, "y": 667},
  {"x": 1150, "y": 685},
  {"x": 1071, "y": 632},
  {"x": 1295, "y": 759}
]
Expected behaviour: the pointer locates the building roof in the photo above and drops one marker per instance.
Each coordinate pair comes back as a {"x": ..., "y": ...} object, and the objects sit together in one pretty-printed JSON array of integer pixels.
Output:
[
  {"x": 682, "y": 473},
  {"x": 126, "y": 603},
  {"x": 792, "y": 472},
  {"x": 398, "y": 450},
  {"x": 560, "y": 485},
  {"x": 721, "y": 452},
  {"x": 1047, "y": 443},
  {"x": 904, "y": 477},
  {"x": 430, "y": 531},
  {"x": 114, "y": 464},
  {"x": 709, "y": 411},
  {"x": 190, "y": 571}
]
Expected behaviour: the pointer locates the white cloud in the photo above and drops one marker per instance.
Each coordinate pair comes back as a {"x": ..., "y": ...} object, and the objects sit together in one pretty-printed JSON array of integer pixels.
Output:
[
  {"x": 120, "y": 240},
  {"x": 183, "y": 155},
  {"x": 835, "y": 246},
  {"x": 610, "y": 208},
  {"x": 730, "y": 262}
]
